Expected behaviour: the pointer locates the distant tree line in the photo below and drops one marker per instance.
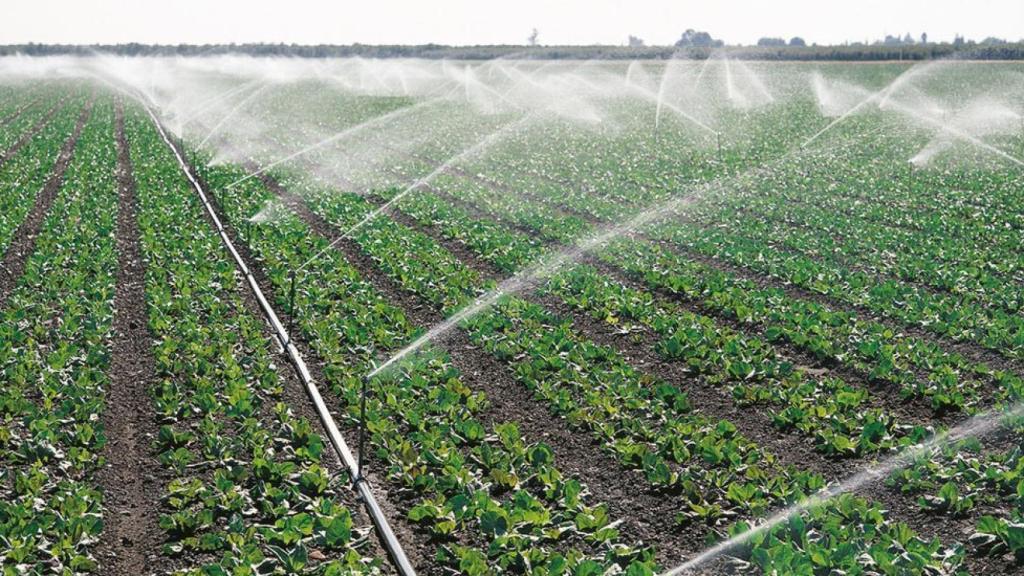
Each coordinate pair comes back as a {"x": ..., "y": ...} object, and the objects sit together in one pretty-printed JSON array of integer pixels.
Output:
[
  {"x": 692, "y": 44},
  {"x": 794, "y": 41}
]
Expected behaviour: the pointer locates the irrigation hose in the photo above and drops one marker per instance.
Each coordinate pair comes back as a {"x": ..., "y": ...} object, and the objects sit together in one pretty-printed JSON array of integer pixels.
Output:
[{"x": 394, "y": 547}]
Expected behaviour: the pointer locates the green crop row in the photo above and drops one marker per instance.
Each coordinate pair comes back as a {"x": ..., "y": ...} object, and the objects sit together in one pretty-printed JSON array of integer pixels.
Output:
[
  {"x": 249, "y": 492},
  {"x": 24, "y": 174},
  {"x": 594, "y": 388},
  {"x": 468, "y": 481},
  {"x": 44, "y": 98},
  {"x": 838, "y": 416},
  {"x": 56, "y": 331}
]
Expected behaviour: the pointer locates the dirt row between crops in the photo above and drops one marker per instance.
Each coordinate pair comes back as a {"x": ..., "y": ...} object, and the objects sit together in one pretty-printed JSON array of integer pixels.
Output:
[
  {"x": 24, "y": 240},
  {"x": 849, "y": 262},
  {"x": 968, "y": 349},
  {"x": 883, "y": 395},
  {"x": 21, "y": 110},
  {"x": 912, "y": 410},
  {"x": 648, "y": 516},
  {"x": 638, "y": 349},
  {"x": 753, "y": 424},
  {"x": 133, "y": 478},
  {"x": 36, "y": 128},
  {"x": 294, "y": 393}
]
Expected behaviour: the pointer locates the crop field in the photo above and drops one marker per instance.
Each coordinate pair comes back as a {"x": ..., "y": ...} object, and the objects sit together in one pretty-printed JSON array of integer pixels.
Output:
[{"x": 331, "y": 317}]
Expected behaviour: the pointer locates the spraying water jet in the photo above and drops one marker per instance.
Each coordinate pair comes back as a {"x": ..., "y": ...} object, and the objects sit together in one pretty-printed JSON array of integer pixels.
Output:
[
  {"x": 237, "y": 108},
  {"x": 881, "y": 95},
  {"x": 976, "y": 427},
  {"x": 338, "y": 136}
]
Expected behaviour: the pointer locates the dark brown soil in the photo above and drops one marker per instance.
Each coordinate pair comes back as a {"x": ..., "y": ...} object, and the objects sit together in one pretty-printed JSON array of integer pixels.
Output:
[
  {"x": 648, "y": 516},
  {"x": 969, "y": 350},
  {"x": 24, "y": 240},
  {"x": 31, "y": 132},
  {"x": 132, "y": 479},
  {"x": 884, "y": 395},
  {"x": 639, "y": 351},
  {"x": 17, "y": 113},
  {"x": 297, "y": 397}
]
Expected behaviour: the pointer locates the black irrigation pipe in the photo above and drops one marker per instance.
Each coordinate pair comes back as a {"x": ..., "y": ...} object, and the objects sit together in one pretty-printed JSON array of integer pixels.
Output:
[{"x": 391, "y": 542}]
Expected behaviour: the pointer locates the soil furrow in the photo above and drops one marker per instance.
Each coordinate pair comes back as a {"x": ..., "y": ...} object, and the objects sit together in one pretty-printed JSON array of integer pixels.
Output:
[
  {"x": 132, "y": 478},
  {"x": 294, "y": 392},
  {"x": 31, "y": 132},
  {"x": 647, "y": 516},
  {"x": 24, "y": 240},
  {"x": 852, "y": 263},
  {"x": 969, "y": 350},
  {"x": 17, "y": 113}
]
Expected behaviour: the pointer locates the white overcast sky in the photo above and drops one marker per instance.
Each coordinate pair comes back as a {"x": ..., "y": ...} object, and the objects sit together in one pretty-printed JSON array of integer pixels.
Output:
[{"x": 463, "y": 22}]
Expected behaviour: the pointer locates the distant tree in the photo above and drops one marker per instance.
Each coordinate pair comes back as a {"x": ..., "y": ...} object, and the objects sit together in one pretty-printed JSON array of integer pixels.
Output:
[
  {"x": 891, "y": 40},
  {"x": 797, "y": 41},
  {"x": 635, "y": 42},
  {"x": 993, "y": 41},
  {"x": 693, "y": 38},
  {"x": 532, "y": 38},
  {"x": 771, "y": 42},
  {"x": 958, "y": 40},
  {"x": 924, "y": 37}
]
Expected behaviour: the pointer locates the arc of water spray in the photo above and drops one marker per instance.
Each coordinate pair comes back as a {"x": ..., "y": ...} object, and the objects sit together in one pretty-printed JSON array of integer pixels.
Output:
[
  {"x": 881, "y": 95},
  {"x": 481, "y": 145},
  {"x": 661, "y": 92},
  {"x": 703, "y": 70},
  {"x": 350, "y": 131},
  {"x": 548, "y": 266},
  {"x": 976, "y": 427},
  {"x": 535, "y": 274},
  {"x": 658, "y": 100},
  {"x": 205, "y": 105},
  {"x": 949, "y": 129},
  {"x": 238, "y": 107}
]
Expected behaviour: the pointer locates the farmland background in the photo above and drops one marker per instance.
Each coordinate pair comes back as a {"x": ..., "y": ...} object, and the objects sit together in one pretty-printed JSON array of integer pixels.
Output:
[{"x": 567, "y": 312}]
